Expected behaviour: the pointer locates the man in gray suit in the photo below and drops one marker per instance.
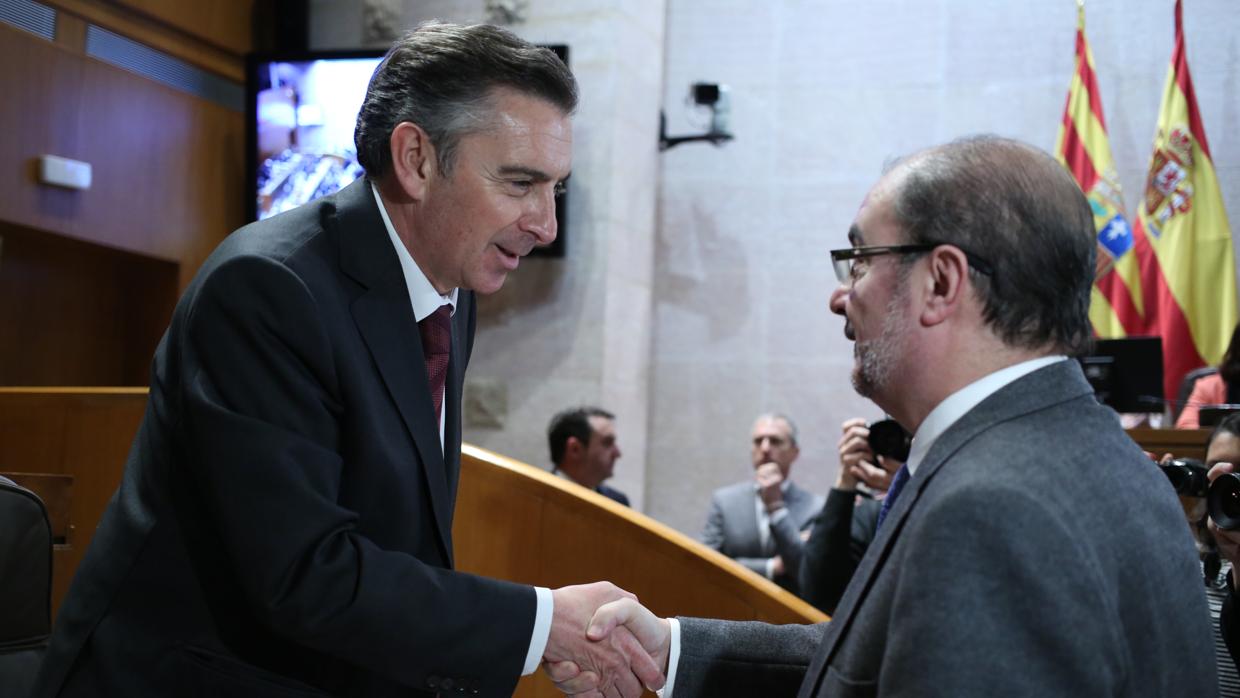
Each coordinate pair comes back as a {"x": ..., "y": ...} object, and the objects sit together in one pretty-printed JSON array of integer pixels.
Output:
[
  {"x": 760, "y": 522},
  {"x": 1032, "y": 549}
]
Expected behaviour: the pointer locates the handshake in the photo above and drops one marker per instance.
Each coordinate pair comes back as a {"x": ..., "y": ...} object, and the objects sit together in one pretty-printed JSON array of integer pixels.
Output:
[{"x": 604, "y": 643}]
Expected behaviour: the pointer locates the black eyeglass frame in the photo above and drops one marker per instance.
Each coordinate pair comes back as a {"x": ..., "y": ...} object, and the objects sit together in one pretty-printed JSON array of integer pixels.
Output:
[{"x": 841, "y": 259}]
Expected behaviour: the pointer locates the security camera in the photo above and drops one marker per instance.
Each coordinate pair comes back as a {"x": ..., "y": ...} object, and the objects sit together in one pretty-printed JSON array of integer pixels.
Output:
[
  {"x": 714, "y": 96},
  {"x": 704, "y": 93}
]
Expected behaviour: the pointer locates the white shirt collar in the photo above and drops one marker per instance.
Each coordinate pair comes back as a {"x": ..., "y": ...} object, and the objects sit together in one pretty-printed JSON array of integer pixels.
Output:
[
  {"x": 958, "y": 404},
  {"x": 422, "y": 295}
]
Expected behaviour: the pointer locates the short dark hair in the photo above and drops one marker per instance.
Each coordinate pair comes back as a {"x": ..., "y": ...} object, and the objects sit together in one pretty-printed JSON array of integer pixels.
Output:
[
  {"x": 1229, "y": 425},
  {"x": 441, "y": 77},
  {"x": 1021, "y": 212},
  {"x": 572, "y": 422}
]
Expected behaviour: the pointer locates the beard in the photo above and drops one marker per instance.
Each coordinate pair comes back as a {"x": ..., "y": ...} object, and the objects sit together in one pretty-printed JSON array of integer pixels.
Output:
[{"x": 876, "y": 358}]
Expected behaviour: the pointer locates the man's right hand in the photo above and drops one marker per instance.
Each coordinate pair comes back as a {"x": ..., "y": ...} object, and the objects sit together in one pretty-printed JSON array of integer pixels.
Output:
[{"x": 611, "y": 666}]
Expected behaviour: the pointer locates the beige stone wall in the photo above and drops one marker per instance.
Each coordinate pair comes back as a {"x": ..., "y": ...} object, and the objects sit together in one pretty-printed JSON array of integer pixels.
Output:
[{"x": 695, "y": 291}]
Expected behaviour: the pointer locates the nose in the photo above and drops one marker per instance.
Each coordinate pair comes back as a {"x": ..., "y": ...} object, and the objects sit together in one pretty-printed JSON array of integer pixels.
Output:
[
  {"x": 839, "y": 298},
  {"x": 540, "y": 220},
  {"x": 618, "y": 453}
]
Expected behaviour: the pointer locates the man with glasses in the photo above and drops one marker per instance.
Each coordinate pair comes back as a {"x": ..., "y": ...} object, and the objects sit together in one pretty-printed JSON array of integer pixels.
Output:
[{"x": 1027, "y": 547}]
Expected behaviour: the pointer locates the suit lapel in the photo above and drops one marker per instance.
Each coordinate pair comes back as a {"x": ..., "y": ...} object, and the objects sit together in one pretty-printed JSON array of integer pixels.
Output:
[
  {"x": 385, "y": 320},
  {"x": 1047, "y": 386}
]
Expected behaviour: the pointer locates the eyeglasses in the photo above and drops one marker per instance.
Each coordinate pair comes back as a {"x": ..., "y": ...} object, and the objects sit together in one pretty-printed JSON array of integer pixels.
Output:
[{"x": 850, "y": 265}]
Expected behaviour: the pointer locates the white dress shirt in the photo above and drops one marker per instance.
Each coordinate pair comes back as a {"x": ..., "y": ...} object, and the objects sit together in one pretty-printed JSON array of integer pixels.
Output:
[
  {"x": 426, "y": 300},
  {"x": 940, "y": 419}
]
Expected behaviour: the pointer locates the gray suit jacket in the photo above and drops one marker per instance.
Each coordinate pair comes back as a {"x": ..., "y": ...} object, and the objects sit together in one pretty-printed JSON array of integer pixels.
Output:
[
  {"x": 732, "y": 529},
  {"x": 1036, "y": 552}
]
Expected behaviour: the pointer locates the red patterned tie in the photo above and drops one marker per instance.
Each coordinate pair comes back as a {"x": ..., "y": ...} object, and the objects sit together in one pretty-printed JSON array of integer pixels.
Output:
[{"x": 436, "y": 331}]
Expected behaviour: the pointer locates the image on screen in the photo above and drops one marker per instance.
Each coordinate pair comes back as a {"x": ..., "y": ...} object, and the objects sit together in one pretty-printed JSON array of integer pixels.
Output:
[{"x": 305, "y": 112}]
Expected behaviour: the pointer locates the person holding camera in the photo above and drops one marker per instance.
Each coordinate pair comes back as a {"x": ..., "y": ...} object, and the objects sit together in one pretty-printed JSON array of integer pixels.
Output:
[
  {"x": 849, "y": 518},
  {"x": 1223, "y": 460}
]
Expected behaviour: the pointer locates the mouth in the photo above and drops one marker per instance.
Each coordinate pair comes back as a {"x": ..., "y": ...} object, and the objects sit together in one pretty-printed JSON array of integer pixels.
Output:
[
  {"x": 848, "y": 330},
  {"x": 509, "y": 257}
]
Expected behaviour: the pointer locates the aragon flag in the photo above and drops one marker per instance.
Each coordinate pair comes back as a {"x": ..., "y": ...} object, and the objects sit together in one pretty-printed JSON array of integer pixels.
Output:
[
  {"x": 1116, "y": 303},
  {"x": 1182, "y": 239}
]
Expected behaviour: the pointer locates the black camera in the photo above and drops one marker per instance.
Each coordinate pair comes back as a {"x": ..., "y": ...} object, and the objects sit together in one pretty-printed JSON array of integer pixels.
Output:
[
  {"x": 705, "y": 93},
  {"x": 1187, "y": 476},
  {"x": 890, "y": 440},
  {"x": 1223, "y": 501}
]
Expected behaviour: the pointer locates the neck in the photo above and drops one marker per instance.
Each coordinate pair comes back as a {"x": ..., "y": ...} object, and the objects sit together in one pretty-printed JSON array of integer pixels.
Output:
[
  {"x": 960, "y": 364},
  {"x": 402, "y": 210}
]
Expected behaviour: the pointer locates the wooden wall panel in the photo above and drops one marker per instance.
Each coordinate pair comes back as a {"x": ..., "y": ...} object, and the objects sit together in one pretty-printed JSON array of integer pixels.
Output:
[
  {"x": 224, "y": 23},
  {"x": 78, "y": 432},
  {"x": 80, "y": 314},
  {"x": 168, "y": 168}
]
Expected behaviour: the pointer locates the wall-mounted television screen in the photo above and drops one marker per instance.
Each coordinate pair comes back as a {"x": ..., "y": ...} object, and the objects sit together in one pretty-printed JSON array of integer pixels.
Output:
[{"x": 302, "y": 111}]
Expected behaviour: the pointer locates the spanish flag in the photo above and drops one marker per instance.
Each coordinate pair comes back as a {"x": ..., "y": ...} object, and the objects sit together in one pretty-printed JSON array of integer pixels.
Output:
[
  {"x": 1116, "y": 303},
  {"x": 1183, "y": 241}
]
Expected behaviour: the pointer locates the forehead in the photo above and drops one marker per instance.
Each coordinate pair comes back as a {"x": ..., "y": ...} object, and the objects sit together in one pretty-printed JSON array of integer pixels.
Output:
[
  {"x": 876, "y": 222},
  {"x": 601, "y": 425},
  {"x": 1225, "y": 448},
  {"x": 524, "y": 132},
  {"x": 768, "y": 426}
]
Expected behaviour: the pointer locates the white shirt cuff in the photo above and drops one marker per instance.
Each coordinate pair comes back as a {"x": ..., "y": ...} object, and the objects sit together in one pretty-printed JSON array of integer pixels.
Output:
[
  {"x": 542, "y": 631},
  {"x": 779, "y": 515},
  {"x": 673, "y": 658},
  {"x": 770, "y": 568}
]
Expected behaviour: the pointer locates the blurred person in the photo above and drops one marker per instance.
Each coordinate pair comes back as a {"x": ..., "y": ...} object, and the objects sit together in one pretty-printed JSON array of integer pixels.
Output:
[
  {"x": 584, "y": 449},
  {"x": 763, "y": 523},
  {"x": 1222, "y": 388},
  {"x": 1028, "y": 547},
  {"x": 1223, "y": 457},
  {"x": 845, "y": 528}
]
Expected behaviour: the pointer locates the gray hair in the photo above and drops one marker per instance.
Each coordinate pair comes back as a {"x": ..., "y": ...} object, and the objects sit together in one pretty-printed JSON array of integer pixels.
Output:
[
  {"x": 1014, "y": 207},
  {"x": 441, "y": 77}
]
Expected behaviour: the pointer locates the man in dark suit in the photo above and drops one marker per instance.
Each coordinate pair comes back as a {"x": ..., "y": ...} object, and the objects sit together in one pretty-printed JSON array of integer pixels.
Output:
[
  {"x": 284, "y": 522},
  {"x": 584, "y": 449},
  {"x": 1030, "y": 548}
]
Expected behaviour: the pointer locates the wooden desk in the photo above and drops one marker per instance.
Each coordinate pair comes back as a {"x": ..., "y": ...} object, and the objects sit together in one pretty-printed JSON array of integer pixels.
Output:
[{"x": 1183, "y": 443}]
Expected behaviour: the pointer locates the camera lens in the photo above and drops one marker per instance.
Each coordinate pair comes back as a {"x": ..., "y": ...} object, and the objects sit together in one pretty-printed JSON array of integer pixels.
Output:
[
  {"x": 1224, "y": 501},
  {"x": 889, "y": 439},
  {"x": 1187, "y": 476}
]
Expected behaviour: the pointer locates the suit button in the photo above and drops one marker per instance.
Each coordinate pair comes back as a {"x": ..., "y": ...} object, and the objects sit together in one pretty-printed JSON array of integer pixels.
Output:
[
  {"x": 447, "y": 684},
  {"x": 432, "y": 681}
]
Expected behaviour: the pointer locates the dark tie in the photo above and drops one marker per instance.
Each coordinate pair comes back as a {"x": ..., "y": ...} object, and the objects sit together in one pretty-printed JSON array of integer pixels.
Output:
[
  {"x": 436, "y": 331},
  {"x": 894, "y": 491}
]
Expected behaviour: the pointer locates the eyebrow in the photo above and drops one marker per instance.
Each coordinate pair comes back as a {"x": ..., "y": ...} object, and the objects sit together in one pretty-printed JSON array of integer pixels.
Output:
[{"x": 529, "y": 172}]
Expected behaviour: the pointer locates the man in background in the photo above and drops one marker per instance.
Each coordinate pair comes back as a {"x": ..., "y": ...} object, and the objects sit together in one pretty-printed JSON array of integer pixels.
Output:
[
  {"x": 584, "y": 449},
  {"x": 763, "y": 523}
]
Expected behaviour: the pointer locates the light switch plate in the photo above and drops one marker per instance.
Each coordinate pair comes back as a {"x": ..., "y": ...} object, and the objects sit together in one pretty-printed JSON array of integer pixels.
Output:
[{"x": 63, "y": 172}]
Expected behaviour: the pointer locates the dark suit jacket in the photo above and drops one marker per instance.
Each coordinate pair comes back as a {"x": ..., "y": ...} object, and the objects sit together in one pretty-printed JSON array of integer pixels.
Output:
[
  {"x": 614, "y": 494},
  {"x": 732, "y": 529},
  {"x": 1037, "y": 552},
  {"x": 284, "y": 522},
  {"x": 842, "y": 533}
]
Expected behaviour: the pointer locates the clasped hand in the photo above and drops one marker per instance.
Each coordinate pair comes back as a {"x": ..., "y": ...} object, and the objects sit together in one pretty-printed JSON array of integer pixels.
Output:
[{"x": 604, "y": 643}]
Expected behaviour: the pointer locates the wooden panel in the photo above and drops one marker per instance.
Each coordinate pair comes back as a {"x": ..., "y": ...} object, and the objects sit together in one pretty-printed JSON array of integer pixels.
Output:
[
  {"x": 218, "y": 44},
  {"x": 83, "y": 433},
  {"x": 518, "y": 522},
  {"x": 168, "y": 167},
  {"x": 513, "y": 521},
  {"x": 223, "y": 23},
  {"x": 84, "y": 314},
  {"x": 1183, "y": 443}
]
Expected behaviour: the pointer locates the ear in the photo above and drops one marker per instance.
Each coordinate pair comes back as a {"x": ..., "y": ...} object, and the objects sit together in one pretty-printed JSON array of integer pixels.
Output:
[
  {"x": 573, "y": 448},
  {"x": 946, "y": 284},
  {"x": 413, "y": 159}
]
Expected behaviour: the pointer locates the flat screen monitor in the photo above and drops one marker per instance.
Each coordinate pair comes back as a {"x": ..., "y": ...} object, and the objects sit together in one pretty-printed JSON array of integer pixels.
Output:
[
  {"x": 302, "y": 111},
  {"x": 1127, "y": 374}
]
